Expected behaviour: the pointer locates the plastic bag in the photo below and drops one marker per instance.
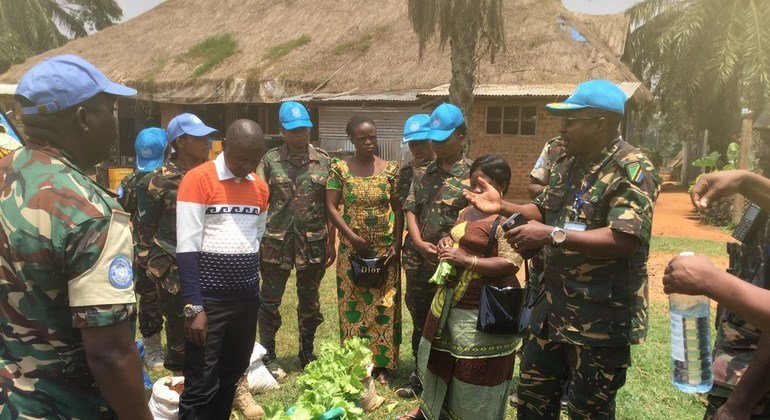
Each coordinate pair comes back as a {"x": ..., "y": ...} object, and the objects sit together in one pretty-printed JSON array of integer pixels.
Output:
[
  {"x": 259, "y": 378},
  {"x": 164, "y": 403},
  {"x": 370, "y": 401}
]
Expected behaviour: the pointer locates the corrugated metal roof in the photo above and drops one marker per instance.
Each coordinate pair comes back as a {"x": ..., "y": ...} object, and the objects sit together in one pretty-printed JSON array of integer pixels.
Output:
[
  {"x": 565, "y": 89},
  {"x": 349, "y": 97}
]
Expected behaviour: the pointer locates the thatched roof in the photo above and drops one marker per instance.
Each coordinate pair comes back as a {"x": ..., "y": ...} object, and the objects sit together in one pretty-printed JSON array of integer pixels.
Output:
[
  {"x": 359, "y": 46},
  {"x": 612, "y": 29}
]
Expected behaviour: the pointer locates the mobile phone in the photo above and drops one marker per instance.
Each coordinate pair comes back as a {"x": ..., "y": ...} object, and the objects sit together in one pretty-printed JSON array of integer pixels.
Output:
[{"x": 516, "y": 220}]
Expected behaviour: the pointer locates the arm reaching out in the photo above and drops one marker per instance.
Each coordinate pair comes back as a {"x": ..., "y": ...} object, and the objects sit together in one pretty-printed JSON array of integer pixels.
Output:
[
  {"x": 712, "y": 187},
  {"x": 696, "y": 275}
]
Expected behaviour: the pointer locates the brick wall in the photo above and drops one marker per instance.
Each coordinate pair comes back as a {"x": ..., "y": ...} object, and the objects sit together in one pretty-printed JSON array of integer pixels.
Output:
[
  {"x": 168, "y": 112},
  {"x": 521, "y": 152}
]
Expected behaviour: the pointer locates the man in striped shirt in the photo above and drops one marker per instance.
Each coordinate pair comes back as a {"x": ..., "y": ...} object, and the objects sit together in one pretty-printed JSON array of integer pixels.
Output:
[{"x": 221, "y": 217}]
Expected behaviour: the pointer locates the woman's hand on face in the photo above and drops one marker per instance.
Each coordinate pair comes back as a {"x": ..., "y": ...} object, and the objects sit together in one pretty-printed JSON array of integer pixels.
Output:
[
  {"x": 455, "y": 257},
  {"x": 488, "y": 200}
]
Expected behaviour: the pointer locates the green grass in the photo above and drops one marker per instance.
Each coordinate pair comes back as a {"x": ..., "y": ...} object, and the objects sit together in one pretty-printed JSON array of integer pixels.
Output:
[
  {"x": 359, "y": 46},
  {"x": 210, "y": 53},
  {"x": 675, "y": 245},
  {"x": 280, "y": 50},
  {"x": 648, "y": 393}
]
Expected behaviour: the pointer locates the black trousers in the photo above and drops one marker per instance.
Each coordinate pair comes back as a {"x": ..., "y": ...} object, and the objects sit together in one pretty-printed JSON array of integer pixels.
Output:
[{"x": 212, "y": 371}]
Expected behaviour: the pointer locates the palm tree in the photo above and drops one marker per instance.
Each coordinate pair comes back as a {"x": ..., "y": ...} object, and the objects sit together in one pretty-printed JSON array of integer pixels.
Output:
[
  {"x": 473, "y": 28},
  {"x": 705, "y": 59},
  {"x": 30, "y": 27}
]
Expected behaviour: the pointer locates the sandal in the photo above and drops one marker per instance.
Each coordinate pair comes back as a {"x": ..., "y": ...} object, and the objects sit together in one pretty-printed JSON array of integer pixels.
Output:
[
  {"x": 415, "y": 414},
  {"x": 385, "y": 377}
]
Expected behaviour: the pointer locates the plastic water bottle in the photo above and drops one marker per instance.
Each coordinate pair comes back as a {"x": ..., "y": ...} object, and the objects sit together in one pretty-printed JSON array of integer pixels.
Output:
[{"x": 690, "y": 342}]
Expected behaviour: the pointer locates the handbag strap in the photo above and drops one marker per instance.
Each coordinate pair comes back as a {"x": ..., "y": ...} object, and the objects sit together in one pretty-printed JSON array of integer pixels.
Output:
[{"x": 492, "y": 237}]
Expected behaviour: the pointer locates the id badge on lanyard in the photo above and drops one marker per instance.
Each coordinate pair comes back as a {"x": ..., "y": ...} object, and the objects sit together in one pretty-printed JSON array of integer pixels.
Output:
[{"x": 574, "y": 223}]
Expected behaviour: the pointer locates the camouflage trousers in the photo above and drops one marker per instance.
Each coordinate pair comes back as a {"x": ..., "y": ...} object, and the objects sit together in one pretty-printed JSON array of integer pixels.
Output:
[
  {"x": 419, "y": 293},
  {"x": 273, "y": 286},
  {"x": 150, "y": 317},
  {"x": 172, "y": 307},
  {"x": 594, "y": 375},
  {"x": 760, "y": 411}
]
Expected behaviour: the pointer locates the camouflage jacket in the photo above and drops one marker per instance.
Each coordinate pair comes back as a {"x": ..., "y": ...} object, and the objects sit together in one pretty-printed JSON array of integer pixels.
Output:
[
  {"x": 737, "y": 339},
  {"x": 436, "y": 199},
  {"x": 62, "y": 271},
  {"x": 128, "y": 196},
  {"x": 552, "y": 151},
  {"x": 157, "y": 216},
  {"x": 413, "y": 169},
  {"x": 589, "y": 300},
  {"x": 297, "y": 214}
]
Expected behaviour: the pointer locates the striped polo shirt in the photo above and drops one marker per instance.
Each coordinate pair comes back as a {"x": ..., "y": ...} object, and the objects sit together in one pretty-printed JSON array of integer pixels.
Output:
[{"x": 220, "y": 222}]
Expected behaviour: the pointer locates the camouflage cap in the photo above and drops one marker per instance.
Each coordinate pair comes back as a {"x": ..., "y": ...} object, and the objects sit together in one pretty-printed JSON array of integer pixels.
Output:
[{"x": 763, "y": 121}]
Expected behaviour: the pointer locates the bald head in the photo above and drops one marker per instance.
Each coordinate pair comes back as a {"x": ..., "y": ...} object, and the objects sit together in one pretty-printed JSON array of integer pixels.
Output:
[{"x": 243, "y": 146}]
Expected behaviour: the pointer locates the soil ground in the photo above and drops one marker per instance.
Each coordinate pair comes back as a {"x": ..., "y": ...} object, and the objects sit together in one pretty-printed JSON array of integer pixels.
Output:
[{"x": 676, "y": 217}]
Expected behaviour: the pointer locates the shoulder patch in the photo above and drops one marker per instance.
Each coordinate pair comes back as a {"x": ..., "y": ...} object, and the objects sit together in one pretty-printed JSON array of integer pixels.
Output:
[
  {"x": 120, "y": 273},
  {"x": 635, "y": 172}
]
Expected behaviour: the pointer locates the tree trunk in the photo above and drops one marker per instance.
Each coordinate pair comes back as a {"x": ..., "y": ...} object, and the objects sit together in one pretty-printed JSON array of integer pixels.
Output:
[{"x": 465, "y": 27}]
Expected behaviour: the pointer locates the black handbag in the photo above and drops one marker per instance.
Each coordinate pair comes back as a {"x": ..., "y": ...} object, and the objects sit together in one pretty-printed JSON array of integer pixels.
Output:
[
  {"x": 504, "y": 310},
  {"x": 367, "y": 272}
]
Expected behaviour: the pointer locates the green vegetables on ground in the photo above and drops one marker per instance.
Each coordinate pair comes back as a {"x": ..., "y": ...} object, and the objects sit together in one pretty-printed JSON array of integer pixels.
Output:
[{"x": 331, "y": 385}]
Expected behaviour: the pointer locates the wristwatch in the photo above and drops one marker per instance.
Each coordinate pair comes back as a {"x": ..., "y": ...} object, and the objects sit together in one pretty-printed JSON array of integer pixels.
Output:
[
  {"x": 558, "y": 236},
  {"x": 190, "y": 311}
]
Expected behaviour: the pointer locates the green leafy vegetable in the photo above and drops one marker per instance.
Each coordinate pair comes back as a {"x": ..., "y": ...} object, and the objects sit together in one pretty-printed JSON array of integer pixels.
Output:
[{"x": 331, "y": 385}]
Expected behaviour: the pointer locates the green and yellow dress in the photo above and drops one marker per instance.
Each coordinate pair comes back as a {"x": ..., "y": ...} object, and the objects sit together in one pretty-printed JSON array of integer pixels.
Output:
[{"x": 373, "y": 313}]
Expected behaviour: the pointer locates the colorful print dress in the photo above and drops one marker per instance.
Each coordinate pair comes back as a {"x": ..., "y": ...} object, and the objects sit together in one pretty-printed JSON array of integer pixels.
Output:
[
  {"x": 373, "y": 313},
  {"x": 456, "y": 363}
]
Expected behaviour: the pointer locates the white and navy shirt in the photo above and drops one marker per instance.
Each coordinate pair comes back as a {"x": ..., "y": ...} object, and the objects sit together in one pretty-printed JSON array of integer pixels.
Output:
[{"x": 220, "y": 222}]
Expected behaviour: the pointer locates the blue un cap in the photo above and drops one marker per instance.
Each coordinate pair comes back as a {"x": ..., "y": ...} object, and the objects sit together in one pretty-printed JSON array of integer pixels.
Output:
[
  {"x": 150, "y": 146},
  {"x": 443, "y": 122},
  {"x": 64, "y": 81},
  {"x": 187, "y": 124},
  {"x": 294, "y": 115},
  {"x": 416, "y": 128},
  {"x": 598, "y": 94}
]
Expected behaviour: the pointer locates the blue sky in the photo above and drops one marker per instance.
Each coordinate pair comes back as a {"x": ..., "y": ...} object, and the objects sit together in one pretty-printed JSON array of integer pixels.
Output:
[{"x": 132, "y": 8}]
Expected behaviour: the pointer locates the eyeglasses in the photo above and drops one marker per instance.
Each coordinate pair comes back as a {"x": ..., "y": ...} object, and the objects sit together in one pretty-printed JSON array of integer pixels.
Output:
[{"x": 567, "y": 121}]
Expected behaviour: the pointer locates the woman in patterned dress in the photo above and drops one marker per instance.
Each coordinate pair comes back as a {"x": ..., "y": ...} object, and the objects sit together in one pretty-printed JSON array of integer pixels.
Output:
[
  {"x": 466, "y": 373},
  {"x": 370, "y": 225}
]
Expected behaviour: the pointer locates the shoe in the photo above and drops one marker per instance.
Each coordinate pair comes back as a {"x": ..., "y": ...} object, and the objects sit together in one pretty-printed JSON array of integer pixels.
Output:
[
  {"x": 274, "y": 368},
  {"x": 153, "y": 353},
  {"x": 244, "y": 402},
  {"x": 383, "y": 376},
  {"x": 412, "y": 389},
  {"x": 306, "y": 355}
]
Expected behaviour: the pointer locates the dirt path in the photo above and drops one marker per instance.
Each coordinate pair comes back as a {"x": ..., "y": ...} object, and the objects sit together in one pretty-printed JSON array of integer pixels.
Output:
[{"x": 674, "y": 216}]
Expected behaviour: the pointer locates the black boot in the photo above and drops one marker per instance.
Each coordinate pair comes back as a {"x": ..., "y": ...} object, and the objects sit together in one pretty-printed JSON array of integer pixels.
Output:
[{"x": 306, "y": 351}]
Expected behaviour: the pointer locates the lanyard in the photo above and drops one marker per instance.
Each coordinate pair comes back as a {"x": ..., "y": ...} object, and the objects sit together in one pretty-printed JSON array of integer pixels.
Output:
[{"x": 578, "y": 203}]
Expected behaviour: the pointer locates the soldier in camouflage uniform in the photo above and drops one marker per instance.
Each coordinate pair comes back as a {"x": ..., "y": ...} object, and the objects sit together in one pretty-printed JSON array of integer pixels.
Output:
[
  {"x": 66, "y": 287},
  {"x": 741, "y": 352},
  {"x": 416, "y": 131},
  {"x": 434, "y": 202},
  {"x": 594, "y": 221},
  {"x": 190, "y": 139},
  {"x": 298, "y": 234}
]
